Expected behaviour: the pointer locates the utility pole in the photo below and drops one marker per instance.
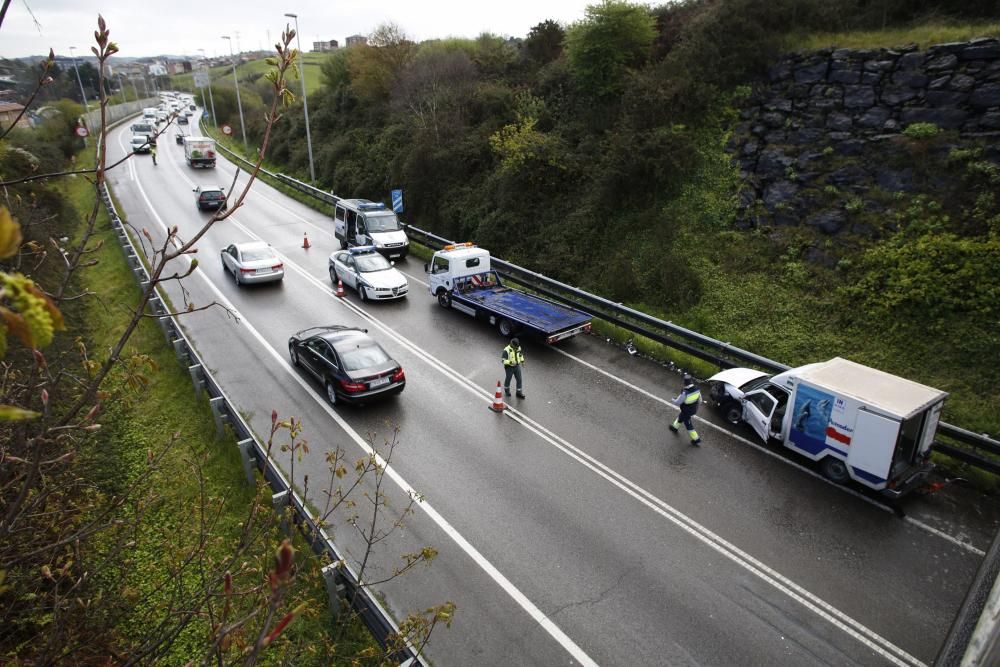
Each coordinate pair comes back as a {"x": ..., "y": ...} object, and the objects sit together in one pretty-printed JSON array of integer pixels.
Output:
[
  {"x": 236, "y": 80},
  {"x": 305, "y": 102}
]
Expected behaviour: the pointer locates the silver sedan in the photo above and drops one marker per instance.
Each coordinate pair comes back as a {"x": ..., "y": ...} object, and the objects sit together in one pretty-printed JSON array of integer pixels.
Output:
[{"x": 253, "y": 262}]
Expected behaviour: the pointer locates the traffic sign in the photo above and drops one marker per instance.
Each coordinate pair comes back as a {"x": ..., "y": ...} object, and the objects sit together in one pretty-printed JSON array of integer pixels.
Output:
[
  {"x": 397, "y": 201},
  {"x": 226, "y": 130},
  {"x": 201, "y": 79},
  {"x": 81, "y": 131},
  {"x": 205, "y": 115}
]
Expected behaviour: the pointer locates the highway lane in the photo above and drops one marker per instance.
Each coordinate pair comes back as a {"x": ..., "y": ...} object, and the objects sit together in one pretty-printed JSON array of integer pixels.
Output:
[{"x": 622, "y": 579}]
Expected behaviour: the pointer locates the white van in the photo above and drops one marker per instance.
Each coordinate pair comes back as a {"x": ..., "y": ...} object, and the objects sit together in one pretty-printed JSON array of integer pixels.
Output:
[
  {"x": 149, "y": 113},
  {"x": 360, "y": 222}
]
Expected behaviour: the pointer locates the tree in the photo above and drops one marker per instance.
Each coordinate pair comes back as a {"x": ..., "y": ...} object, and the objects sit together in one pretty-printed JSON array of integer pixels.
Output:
[
  {"x": 375, "y": 66},
  {"x": 544, "y": 42},
  {"x": 434, "y": 90},
  {"x": 615, "y": 37}
]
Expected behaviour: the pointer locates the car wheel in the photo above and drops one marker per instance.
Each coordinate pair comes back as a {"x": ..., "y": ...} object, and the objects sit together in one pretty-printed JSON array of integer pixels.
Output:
[
  {"x": 333, "y": 275},
  {"x": 293, "y": 354},
  {"x": 343, "y": 244},
  {"x": 236, "y": 277},
  {"x": 834, "y": 470},
  {"x": 444, "y": 299},
  {"x": 331, "y": 393},
  {"x": 732, "y": 412},
  {"x": 363, "y": 293},
  {"x": 505, "y": 327}
]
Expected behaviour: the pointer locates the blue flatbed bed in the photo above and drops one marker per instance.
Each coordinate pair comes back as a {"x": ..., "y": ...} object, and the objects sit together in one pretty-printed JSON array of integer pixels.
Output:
[{"x": 484, "y": 296}]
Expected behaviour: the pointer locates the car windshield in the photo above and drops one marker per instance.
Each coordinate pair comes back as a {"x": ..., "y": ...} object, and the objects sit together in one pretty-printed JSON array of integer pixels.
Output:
[
  {"x": 382, "y": 222},
  {"x": 257, "y": 253},
  {"x": 366, "y": 355},
  {"x": 372, "y": 262}
]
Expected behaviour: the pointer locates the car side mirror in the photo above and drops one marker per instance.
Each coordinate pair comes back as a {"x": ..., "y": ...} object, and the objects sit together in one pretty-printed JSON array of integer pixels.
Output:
[{"x": 426, "y": 268}]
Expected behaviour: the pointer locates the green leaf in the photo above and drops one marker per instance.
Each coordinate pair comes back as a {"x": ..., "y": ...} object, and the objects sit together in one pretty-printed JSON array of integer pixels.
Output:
[{"x": 10, "y": 413}]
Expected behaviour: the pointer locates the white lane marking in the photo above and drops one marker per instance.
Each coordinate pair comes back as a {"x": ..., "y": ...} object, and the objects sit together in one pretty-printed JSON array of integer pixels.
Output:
[
  {"x": 848, "y": 625},
  {"x": 967, "y": 546},
  {"x": 918, "y": 524},
  {"x": 491, "y": 570},
  {"x": 845, "y": 623}
]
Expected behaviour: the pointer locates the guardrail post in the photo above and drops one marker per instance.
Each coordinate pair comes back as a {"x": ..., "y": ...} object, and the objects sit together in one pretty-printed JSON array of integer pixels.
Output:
[
  {"x": 218, "y": 413},
  {"x": 280, "y": 502},
  {"x": 180, "y": 349},
  {"x": 249, "y": 461},
  {"x": 197, "y": 378},
  {"x": 336, "y": 591}
]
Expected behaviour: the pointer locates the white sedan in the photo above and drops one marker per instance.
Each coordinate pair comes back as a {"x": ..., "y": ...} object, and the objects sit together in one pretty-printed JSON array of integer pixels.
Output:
[
  {"x": 253, "y": 262},
  {"x": 369, "y": 273}
]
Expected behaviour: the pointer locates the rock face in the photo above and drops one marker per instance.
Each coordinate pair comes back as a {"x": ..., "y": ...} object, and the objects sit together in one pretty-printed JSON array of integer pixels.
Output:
[{"x": 824, "y": 132}]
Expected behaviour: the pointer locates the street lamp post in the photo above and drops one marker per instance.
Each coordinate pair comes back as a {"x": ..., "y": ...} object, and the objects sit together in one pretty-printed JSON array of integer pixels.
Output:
[
  {"x": 305, "y": 102},
  {"x": 78, "y": 79},
  {"x": 239, "y": 104},
  {"x": 211, "y": 99}
]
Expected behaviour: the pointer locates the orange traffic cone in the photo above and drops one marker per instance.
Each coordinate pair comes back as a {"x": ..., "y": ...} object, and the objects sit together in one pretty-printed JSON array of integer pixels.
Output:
[
  {"x": 305, "y": 241},
  {"x": 340, "y": 288},
  {"x": 498, "y": 405}
]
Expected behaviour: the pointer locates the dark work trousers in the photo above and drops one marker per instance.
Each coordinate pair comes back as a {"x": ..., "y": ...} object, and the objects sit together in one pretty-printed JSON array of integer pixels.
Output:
[{"x": 516, "y": 372}]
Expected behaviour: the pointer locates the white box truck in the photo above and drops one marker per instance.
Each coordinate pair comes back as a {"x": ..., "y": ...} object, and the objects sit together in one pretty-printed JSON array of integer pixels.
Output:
[
  {"x": 858, "y": 422},
  {"x": 199, "y": 151}
]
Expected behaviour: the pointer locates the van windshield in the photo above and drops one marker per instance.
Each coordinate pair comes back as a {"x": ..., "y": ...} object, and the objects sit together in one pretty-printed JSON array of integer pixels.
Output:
[{"x": 382, "y": 222}]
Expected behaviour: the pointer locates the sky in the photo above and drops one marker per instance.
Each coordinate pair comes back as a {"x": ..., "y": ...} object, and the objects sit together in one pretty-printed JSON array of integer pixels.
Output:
[{"x": 182, "y": 27}]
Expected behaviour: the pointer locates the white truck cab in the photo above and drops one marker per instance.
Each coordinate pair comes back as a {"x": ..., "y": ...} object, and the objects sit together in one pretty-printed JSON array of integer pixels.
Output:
[
  {"x": 454, "y": 262},
  {"x": 858, "y": 422},
  {"x": 360, "y": 222}
]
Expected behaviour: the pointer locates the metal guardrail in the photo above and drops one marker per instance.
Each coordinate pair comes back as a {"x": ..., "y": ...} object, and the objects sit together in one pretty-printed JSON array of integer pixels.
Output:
[
  {"x": 342, "y": 582},
  {"x": 690, "y": 342}
]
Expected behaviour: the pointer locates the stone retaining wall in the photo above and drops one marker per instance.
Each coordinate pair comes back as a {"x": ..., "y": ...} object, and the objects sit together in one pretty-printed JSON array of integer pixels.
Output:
[{"x": 830, "y": 121}]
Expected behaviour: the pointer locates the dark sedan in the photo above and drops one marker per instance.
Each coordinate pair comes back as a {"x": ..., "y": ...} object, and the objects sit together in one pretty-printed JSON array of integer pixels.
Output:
[{"x": 352, "y": 367}]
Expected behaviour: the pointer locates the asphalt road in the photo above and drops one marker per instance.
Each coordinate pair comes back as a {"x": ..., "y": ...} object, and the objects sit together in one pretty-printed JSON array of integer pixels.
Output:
[{"x": 574, "y": 529}]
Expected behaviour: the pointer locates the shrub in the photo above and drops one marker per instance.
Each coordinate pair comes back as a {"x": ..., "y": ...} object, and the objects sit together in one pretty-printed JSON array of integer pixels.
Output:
[{"x": 921, "y": 131}]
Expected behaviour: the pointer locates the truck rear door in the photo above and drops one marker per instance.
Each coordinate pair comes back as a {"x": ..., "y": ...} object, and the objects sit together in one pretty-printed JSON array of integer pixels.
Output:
[{"x": 873, "y": 444}]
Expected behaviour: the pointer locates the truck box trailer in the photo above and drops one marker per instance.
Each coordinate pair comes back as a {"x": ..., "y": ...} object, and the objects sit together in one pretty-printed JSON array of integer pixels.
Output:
[
  {"x": 199, "y": 152},
  {"x": 859, "y": 423}
]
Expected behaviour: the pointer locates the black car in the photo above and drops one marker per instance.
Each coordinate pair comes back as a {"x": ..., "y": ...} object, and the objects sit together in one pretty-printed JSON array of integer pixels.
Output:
[
  {"x": 210, "y": 198},
  {"x": 182, "y": 120},
  {"x": 351, "y": 365}
]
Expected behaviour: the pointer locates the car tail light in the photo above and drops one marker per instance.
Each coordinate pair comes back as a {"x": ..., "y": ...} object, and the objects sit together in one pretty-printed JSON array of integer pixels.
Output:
[
  {"x": 278, "y": 267},
  {"x": 586, "y": 328},
  {"x": 247, "y": 270},
  {"x": 352, "y": 387},
  {"x": 398, "y": 375}
]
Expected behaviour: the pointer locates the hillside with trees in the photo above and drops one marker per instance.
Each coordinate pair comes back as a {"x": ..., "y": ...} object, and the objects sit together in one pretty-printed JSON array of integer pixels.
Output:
[{"x": 600, "y": 153}]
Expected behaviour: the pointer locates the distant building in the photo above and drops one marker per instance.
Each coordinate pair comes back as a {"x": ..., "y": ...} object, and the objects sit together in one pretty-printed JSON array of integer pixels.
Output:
[
  {"x": 9, "y": 111},
  {"x": 356, "y": 39},
  {"x": 156, "y": 69},
  {"x": 320, "y": 47}
]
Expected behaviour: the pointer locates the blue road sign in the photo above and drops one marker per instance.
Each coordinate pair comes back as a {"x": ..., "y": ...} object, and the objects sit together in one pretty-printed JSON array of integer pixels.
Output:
[
  {"x": 204, "y": 114},
  {"x": 397, "y": 201}
]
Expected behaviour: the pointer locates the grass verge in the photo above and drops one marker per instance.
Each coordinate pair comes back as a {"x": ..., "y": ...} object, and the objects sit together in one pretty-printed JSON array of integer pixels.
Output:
[{"x": 201, "y": 473}]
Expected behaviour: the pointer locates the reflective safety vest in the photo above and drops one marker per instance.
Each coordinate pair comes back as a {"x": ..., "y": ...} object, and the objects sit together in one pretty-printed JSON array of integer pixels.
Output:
[
  {"x": 513, "y": 357},
  {"x": 692, "y": 398}
]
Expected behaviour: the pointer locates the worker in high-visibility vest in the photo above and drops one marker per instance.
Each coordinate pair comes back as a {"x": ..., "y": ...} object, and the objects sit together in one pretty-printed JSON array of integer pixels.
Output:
[
  {"x": 688, "y": 401},
  {"x": 513, "y": 359}
]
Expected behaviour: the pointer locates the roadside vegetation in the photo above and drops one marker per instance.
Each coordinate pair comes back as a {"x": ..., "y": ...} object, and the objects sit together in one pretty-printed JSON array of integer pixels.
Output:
[
  {"x": 128, "y": 533},
  {"x": 596, "y": 154}
]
